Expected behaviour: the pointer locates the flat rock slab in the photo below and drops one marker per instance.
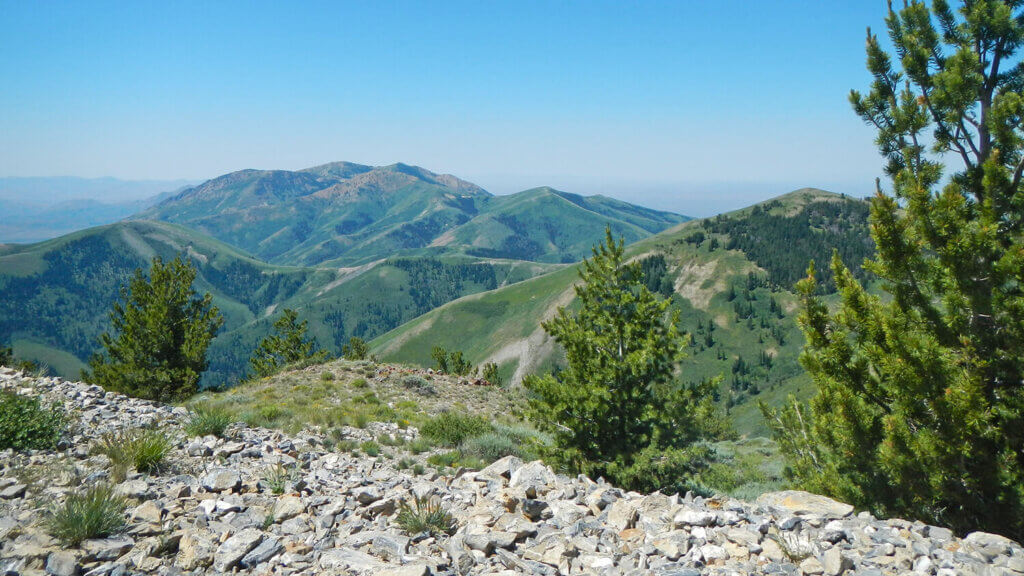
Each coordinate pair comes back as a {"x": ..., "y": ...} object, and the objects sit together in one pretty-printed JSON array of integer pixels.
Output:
[{"x": 804, "y": 504}]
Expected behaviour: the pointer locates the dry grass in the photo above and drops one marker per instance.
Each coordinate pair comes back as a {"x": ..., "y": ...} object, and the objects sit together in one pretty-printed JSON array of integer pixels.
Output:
[{"x": 356, "y": 393}]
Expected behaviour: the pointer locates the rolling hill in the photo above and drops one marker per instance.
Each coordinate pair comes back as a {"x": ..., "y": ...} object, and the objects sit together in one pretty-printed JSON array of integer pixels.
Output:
[
  {"x": 345, "y": 214},
  {"x": 55, "y": 295},
  {"x": 730, "y": 276}
]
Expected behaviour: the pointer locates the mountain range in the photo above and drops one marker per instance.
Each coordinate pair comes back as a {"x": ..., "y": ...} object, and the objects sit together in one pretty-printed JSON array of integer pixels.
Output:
[
  {"x": 410, "y": 259},
  {"x": 345, "y": 214}
]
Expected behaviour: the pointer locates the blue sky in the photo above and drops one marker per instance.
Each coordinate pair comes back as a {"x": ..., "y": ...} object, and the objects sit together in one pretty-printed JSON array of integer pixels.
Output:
[{"x": 692, "y": 106}]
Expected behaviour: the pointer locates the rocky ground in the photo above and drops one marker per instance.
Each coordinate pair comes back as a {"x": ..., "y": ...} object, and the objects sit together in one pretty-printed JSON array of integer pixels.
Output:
[{"x": 213, "y": 509}]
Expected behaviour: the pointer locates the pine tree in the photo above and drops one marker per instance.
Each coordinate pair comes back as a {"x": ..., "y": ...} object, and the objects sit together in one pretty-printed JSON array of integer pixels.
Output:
[
  {"x": 356, "y": 349},
  {"x": 287, "y": 345},
  {"x": 617, "y": 410},
  {"x": 920, "y": 404},
  {"x": 162, "y": 330}
]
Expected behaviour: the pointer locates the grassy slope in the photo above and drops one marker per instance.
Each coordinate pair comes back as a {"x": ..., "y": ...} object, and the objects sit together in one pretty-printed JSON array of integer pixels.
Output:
[
  {"x": 503, "y": 325},
  {"x": 55, "y": 295}
]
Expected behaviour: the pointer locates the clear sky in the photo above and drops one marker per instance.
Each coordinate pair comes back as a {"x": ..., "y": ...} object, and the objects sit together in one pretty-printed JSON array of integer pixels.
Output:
[{"x": 692, "y": 106}]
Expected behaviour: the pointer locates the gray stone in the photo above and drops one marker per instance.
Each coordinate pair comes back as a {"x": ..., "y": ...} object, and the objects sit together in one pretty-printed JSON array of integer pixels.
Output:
[
  {"x": 408, "y": 570},
  {"x": 62, "y": 563},
  {"x": 534, "y": 476},
  {"x": 343, "y": 559},
  {"x": 263, "y": 552},
  {"x": 502, "y": 468},
  {"x": 235, "y": 548},
  {"x": 149, "y": 512},
  {"x": 690, "y": 517},
  {"x": 804, "y": 503},
  {"x": 107, "y": 548},
  {"x": 13, "y": 491},
  {"x": 288, "y": 507},
  {"x": 367, "y": 495},
  {"x": 835, "y": 562},
  {"x": 137, "y": 488},
  {"x": 221, "y": 480}
]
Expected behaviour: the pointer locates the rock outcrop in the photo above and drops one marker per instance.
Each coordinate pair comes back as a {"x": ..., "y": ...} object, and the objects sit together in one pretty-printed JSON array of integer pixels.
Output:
[{"x": 214, "y": 508}]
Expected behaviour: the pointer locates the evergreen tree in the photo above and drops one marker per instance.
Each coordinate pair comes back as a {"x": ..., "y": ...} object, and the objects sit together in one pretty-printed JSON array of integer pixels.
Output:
[
  {"x": 356, "y": 349},
  {"x": 617, "y": 410},
  {"x": 162, "y": 329},
  {"x": 920, "y": 404},
  {"x": 287, "y": 345}
]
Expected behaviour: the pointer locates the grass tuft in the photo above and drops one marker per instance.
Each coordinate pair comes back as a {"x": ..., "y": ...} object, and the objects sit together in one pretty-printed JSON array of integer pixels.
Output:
[
  {"x": 141, "y": 449},
  {"x": 208, "y": 421},
  {"x": 424, "y": 515},
  {"x": 93, "y": 513}
]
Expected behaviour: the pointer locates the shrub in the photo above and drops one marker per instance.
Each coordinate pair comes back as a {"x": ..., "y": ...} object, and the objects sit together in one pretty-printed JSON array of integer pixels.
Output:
[
  {"x": 208, "y": 421},
  {"x": 327, "y": 376},
  {"x": 360, "y": 383},
  {"x": 418, "y": 469},
  {"x": 141, "y": 449},
  {"x": 93, "y": 513},
  {"x": 451, "y": 429},
  {"x": 490, "y": 447},
  {"x": 490, "y": 373},
  {"x": 420, "y": 445},
  {"x": 424, "y": 515},
  {"x": 27, "y": 425},
  {"x": 287, "y": 345},
  {"x": 356, "y": 349},
  {"x": 371, "y": 448},
  {"x": 346, "y": 446},
  {"x": 419, "y": 385},
  {"x": 453, "y": 362},
  {"x": 448, "y": 459}
]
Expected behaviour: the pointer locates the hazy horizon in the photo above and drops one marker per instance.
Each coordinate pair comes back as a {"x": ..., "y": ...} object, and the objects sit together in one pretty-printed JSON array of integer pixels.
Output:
[{"x": 643, "y": 102}]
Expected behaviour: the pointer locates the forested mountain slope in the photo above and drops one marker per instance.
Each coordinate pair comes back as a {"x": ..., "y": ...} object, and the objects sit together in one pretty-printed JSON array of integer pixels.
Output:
[
  {"x": 55, "y": 295},
  {"x": 348, "y": 214},
  {"x": 731, "y": 277}
]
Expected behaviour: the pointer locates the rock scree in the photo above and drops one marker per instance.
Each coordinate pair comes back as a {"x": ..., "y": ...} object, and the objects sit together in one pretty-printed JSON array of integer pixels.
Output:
[{"x": 215, "y": 508}]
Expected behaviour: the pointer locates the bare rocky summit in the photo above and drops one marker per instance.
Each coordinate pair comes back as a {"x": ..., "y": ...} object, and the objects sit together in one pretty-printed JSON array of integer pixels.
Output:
[{"x": 211, "y": 509}]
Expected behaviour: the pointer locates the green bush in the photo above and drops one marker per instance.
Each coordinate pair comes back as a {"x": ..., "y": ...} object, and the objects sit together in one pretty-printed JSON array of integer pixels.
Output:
[
  {"x": 141, "y": 449},
  {"x": 360, "y": 383},
  {"x": 420, "y": 445},
  {"x": 424, "y": 515},
  {"x": 669, "y": 470},
  {"x": 208, "y": 421},
  {"x": 445, "y": 459},
  {"x": 326, "y": 376},
  {"x": 356, "y": 349},
  {"x": 371, "y": 448},
  {"x": 451, "y": 429},
  {"x": 93, "y": 513},
  {"x": 25, "y": 424},
  {"x": 490, "y": 373},
  {"x": 419, "y": 385},
  {"x": 453, "y": 362},
  {"x": 490, "y": 447}
]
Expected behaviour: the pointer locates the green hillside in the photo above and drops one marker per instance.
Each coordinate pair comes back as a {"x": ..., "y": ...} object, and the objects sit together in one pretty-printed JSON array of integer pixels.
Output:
[
  {"x": 346, "y": 214},
  {"x": 730, "y": 276},
  {"x": 55, "y": 295}
]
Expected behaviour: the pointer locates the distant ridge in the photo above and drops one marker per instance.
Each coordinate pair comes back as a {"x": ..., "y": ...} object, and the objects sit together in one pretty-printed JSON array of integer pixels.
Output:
[{"x": 348, "y": 214}]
